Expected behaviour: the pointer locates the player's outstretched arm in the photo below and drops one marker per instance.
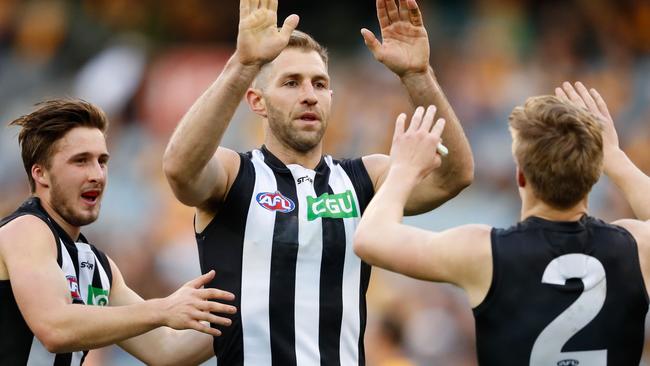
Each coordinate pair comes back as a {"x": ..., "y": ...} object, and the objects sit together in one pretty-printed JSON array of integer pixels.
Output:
[
  {"x": 460, "y": 255},
  {"x": 177, "y": 345},
  {"x": 634, "y": 184},
  {"x": 27, "y": 250},
  {"x": 404, "y": 49},
  {"x": 198, "y": 170}
]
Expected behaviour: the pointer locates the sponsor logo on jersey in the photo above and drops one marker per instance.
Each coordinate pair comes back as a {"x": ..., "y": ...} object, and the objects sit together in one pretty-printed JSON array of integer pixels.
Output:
[
  {"x": 304, "y": 179},
  {"x": 88, "y": 265},
  {"x": 568, "y": 362},
  {"x": 275, "y": 202},
  {"x": 73, "y": 285},
  {"x": 97, "y": 296},
  {"x": 337, "y": 206}
]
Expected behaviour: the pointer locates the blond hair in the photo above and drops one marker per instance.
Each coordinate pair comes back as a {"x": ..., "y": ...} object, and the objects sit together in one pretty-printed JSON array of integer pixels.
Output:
[{"x": 559, "y": 149}]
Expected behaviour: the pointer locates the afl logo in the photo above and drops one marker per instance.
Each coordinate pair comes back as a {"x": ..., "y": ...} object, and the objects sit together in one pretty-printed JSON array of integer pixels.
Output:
[{"x": 275, "y": 202}]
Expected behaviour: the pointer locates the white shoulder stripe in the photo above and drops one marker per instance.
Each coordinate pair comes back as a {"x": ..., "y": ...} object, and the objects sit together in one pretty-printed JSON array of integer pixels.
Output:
[{"x": 256, "y": 264}]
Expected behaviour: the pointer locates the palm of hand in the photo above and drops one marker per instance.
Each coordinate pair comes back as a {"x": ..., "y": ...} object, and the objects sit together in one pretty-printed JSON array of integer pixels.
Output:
[
  {"x": 405, "y": 48},
  {"x": 259, "y": 40}
]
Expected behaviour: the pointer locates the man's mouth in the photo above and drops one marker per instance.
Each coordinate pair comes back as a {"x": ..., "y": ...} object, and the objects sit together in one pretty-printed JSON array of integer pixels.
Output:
[
  {"x": 310, "y": 117},
  {"x": 91, "y": 196}
]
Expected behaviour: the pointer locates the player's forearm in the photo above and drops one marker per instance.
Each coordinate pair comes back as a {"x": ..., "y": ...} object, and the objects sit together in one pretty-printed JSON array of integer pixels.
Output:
[
  {"x": 457, "y": 172},
  {"x": 200, "y": 131},
  {"x": 166, "y": 346},
  {"x": 634, "y": 184},
  {"x": 378, "y": 230},
  {"x": 74, "y": 327}
]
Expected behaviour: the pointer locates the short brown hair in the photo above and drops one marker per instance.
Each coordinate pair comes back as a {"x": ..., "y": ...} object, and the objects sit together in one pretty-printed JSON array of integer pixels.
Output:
[
  {"x": 305, "y": 42},
  {"x": 52, "y": 119},
  {"x": 559, "y": 149}
]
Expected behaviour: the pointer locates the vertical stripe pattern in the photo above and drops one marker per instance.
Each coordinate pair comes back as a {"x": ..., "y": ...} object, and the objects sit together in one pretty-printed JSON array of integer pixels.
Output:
[
  {"x": 256, "y": 264},
  {"x": 301, "y": 293}
]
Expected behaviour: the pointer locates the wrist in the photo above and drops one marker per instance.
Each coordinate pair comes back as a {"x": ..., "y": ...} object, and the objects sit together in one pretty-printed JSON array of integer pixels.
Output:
[
  {"x": 614, "y": 160},
  {"x": 155, "y": 312},
  {"x": 410, "y": 76}
]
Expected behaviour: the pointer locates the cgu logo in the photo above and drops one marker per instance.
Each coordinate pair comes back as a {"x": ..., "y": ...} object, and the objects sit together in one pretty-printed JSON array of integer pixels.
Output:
[
  {"x": 275, "y": 202},
  {"x": 568, "y": 362}
]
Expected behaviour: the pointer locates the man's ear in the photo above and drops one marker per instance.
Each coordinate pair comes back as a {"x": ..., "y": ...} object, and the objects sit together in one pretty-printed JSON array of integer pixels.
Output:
[
  {"x": 40, "y": 176},
  {"x": 256, "y": 102},
  {"x": 521, "y": 178}
]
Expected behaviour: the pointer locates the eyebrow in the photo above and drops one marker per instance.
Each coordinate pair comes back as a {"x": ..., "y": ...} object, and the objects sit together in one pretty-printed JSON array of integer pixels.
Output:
[
  {"x": 87, "y": 154},
  {"x": 295, "y": 75}
]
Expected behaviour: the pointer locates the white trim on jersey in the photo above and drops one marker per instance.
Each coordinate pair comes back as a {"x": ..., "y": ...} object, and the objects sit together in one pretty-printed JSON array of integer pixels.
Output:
[
  {"x": 256, "y": 259},
  {"x": 350, "y": 323},
  {"x": 308, "y": 269}
]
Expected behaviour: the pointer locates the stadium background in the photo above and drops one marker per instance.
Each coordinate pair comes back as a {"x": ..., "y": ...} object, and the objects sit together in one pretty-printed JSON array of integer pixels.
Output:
[{"x": 145, "y": 62}]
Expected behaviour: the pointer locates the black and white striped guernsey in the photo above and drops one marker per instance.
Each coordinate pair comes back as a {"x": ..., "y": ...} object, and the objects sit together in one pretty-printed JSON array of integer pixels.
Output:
[
  {"x": 89, "y": 277},
  {"x": 282, "y": 243}
]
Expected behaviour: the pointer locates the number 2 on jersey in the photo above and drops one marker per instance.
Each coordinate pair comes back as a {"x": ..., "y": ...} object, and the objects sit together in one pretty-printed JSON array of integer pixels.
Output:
[{"x": 547, "y": 350}]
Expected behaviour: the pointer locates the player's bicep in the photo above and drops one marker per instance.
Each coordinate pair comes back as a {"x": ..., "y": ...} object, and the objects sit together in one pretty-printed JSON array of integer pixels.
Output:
[
  {"x": 39, "y": 285},
  {"x": 212, "y": 184}
]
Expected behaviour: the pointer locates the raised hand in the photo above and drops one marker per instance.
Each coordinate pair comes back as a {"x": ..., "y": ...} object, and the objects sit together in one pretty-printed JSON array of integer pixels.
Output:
[
  {"x": 414, "y": 149},
  {"x": 259, "y": 40},
  {"x": 405, "y": 44},
  {"x": 594, "y": 103},
  {"x": 191, "y": 305}
]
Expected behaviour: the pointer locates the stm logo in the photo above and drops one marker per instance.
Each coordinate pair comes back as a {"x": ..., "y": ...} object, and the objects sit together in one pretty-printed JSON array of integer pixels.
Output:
[
  {"x": 306, "y": 178},
  {"x": 275, "y": 202},
  {"x": 568, "y": 362},
  {"x": 88, "y": 265}
]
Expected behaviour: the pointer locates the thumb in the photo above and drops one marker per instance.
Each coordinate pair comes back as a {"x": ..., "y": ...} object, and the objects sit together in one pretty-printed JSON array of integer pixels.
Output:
[
  {"x": 371, "y": 41},
  {"x": 289, "y": 25},
  {"x": 202, "y": 280}
]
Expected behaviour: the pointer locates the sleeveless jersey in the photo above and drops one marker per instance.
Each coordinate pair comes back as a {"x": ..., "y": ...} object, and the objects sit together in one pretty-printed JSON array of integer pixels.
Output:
[
  {"x": 89, "y": 277},
  {"x": 282, "y": 243},
  {"x": 563, "y": 294}
]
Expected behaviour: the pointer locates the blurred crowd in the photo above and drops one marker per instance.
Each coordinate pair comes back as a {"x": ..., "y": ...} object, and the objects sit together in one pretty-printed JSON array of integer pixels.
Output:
[{"x": 145, "y": 62}]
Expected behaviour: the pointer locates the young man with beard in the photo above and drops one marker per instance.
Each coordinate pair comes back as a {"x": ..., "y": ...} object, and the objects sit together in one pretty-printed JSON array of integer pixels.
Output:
[
  {"x": 558, "y": 288},
  {"x": 59, "y": 295},
  {"x": 276, "y": 223}
]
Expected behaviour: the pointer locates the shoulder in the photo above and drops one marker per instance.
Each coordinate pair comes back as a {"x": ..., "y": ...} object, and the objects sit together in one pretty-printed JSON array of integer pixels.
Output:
[
  {"x": 26, "y": 236},
  {"x": 377, "y": 166},
  {"x": 639, "y": 230}
]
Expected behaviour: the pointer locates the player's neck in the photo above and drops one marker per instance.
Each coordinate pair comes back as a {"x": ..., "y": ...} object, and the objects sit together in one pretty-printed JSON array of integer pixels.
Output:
[
  {"x": 535, "y": 207},
  {"x": 72, "y": 231},
  {"x": 287, "y": 155}
]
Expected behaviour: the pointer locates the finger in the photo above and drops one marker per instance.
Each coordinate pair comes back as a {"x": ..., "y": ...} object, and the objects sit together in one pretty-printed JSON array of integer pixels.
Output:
[
  {"x": 202, "y": 280},
  {"x": 219, "y": 320},
  {"x": 273, "y": 5},
  {"x": 254, "y": 5},
  {"x": 403, "y": 11},
  {"x": 586, "y": 97},
  {"x": 244, "y": 8},
  {"x": 399, "y": 125},
  {"x": 289, "y": 26},
  {"x": 602, "y": 106},
  {"x": 439, "y": 127},
  {"x": 416, "y": 120},
  {"x": 414, "y": 13},
  {"x": 427, "y": 122},
  {"x": 574, "y": 97},
  {"x": 215, "y": 294},
  {"x": 205, "y": 328},
  {"x": 216, "y": 307},
  {"x": 393, "y": 12},
  {"x": 371, "y": 41},
  {"x": 382, "y": 14},
  {"x": 264, "y": 4},
  {"x": 559, "y": 92}
]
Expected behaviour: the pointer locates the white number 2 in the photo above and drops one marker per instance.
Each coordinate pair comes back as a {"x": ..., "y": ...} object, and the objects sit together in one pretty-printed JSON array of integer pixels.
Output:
[{"x": 547, "y": 350}]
